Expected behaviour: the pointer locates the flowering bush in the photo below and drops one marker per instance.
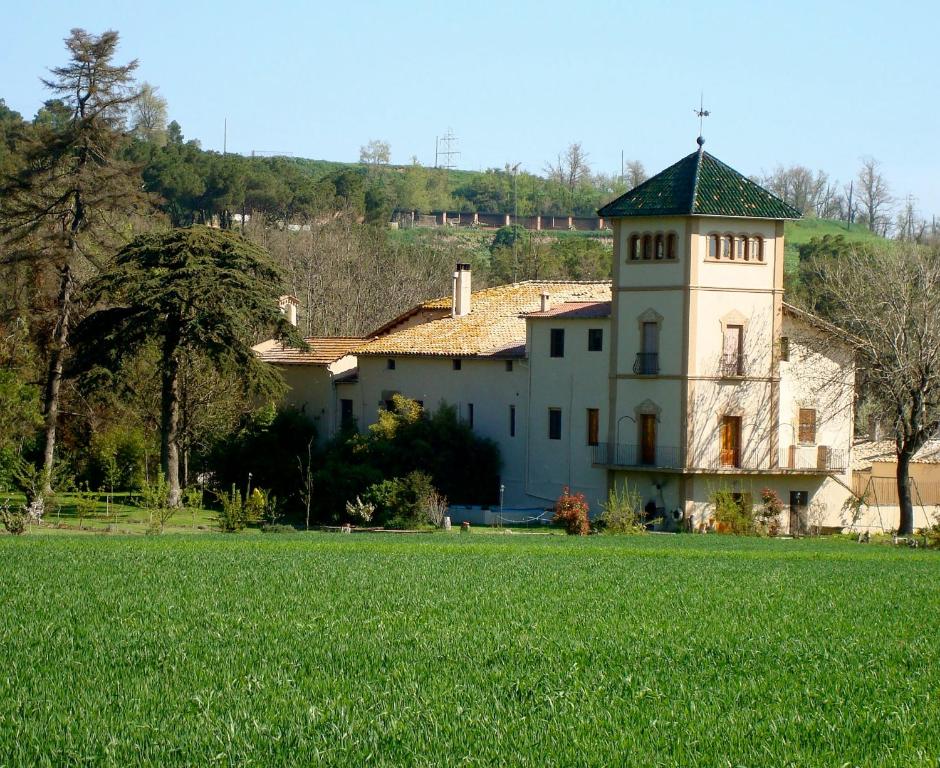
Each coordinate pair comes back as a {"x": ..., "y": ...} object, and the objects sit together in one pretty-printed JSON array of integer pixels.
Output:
[{"x": 571, "y": 511}]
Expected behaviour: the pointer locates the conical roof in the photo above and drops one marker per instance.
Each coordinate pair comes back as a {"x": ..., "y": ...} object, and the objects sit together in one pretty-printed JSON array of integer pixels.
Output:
[{"x": 700, "y": 184}]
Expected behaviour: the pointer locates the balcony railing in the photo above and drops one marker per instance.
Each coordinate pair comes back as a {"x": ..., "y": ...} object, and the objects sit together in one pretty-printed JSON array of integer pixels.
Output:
[
  {"x": 620, "y": 455},
  {"x": 732, "y": 365},
  {"x": 820, "y": 458},
  {"x": 646, "y": 364}
]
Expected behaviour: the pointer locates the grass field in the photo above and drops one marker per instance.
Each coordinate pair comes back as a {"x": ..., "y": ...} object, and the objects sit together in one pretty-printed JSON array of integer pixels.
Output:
[
  {"x": 800, "y": 232},
  {"x": 323, "y": 649}
]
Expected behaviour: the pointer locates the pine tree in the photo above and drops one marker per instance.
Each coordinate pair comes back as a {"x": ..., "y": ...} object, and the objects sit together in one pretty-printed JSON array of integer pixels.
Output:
[
  {"x": 64, "y": 209},
  {"x": 195, "y": 292}
]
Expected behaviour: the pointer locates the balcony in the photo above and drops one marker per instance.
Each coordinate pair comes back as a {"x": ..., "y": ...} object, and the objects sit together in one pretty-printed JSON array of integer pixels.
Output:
[
  {"x": 817, "y": 458},
  {"x": 732, "y": 365},
  {"x": 646, "y": 364},
  {"x": 620, "y": 455}
]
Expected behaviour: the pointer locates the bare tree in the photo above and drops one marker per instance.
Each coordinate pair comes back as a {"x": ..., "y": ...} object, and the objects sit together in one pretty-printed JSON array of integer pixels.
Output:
[
  {"x": 874, "y": 196},
  {"x": 634, "y": 174},
  {"x": 148, "y": 116},
  {"x": 375, "y": 153},
  {"x": 571, "y": 167},
  {"x": 798, "y": 186},
  {"x": 889, "y": 301}
]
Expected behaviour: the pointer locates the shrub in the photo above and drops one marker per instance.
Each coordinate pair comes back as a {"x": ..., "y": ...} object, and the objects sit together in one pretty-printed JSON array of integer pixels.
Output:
[
  {"x": 230, "y": 517},
  {"x": 768, "y": 512},
  {"x": 571, "y": 512},
  {"x": 156, "y": 499},
  {"x": 402, "y": 501},
  {"x": 623, "y": 512},
  {"x": 17, "y": 518},
  {"x": 733, "y": 513}
]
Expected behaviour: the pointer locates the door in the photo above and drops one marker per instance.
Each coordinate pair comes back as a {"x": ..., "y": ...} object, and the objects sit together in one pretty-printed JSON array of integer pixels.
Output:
[
  {"x": 799, "y": 501},
  {"x": 647, "y": 439},
  {"x": 730, "y": 455}
]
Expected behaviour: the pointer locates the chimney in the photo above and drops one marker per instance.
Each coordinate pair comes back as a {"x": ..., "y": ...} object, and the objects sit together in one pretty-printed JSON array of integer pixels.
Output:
[
  {"x": 461, "y": 290},
  {"x": 546, "y": 303},
  {"x": 288, "y": 306}
]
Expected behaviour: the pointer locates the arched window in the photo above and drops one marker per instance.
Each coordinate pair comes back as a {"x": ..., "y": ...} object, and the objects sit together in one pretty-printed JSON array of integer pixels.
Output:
[
  {"x": 671, "y": 246},
  {"x": 634, "y": 247},
  {"x": 713, "y": 246},
  {"x": 647, "y": 247},
  {"x": 725, "y": 247},
  {"x": 755, "y": 249},
  {"x": 660, "y": 248},
  {"x": 739, "y": 248}
]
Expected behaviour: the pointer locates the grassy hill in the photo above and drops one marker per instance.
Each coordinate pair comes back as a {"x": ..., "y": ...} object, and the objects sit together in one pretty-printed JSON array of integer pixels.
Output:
[{"x": 800, "y": 232}]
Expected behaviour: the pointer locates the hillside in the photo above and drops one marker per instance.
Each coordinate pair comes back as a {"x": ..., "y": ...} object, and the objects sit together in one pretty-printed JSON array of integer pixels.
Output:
[{"x": 800, "y": 232}]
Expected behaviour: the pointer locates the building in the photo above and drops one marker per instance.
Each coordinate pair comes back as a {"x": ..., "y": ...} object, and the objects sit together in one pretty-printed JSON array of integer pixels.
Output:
[{"x": 684, "y": 375}]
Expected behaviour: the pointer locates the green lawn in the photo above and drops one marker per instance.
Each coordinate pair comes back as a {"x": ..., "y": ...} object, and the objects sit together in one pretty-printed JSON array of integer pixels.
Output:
[{"x": 324, "y": 649}]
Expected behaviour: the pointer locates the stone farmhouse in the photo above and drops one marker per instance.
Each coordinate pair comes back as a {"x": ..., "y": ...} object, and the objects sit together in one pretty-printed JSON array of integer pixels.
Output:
[{"x": 686, "y": 374}]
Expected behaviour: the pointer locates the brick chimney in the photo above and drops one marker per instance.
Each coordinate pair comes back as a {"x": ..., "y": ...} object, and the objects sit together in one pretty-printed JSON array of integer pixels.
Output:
[
  {"x": 546, "y": 301},
  {"x": 461, "y": 305}
]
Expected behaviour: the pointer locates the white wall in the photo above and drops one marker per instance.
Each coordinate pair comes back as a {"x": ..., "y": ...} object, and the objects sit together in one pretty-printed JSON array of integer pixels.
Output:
[{"x": 573, "y": 383}]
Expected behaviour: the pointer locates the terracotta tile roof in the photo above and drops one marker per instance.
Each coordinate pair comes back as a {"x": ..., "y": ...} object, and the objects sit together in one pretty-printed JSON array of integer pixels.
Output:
[
  {"x": 323, "y": 350},
  {"x": 575, "y": 310},
  {"x": 495, "y": 326},
  {"x": 865, "y": 452}
]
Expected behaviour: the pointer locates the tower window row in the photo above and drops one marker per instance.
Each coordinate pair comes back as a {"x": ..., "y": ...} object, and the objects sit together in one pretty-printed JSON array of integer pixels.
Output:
[
  {"x": 653, "y": 246},
  {"x": 731, "y": 247}
]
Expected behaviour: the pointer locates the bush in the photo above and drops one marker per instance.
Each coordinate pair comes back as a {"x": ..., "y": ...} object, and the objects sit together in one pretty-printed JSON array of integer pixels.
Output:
[
  {"x": 402, "y": 501},
  {"x": 234, "y": 514},
  {"x": 733, "y": 513},
  {"x": 768, "y": 512},
  {"x": 571, "y": 512},
  {"x": 623, "y": 512}
]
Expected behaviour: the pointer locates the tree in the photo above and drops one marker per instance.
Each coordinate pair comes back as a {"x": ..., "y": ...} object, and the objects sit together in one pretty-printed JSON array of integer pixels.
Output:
[
  {"x": 634, "y": 174},
  {"x": 874, "y": 196},
  {"x": 375, "y": 153},
  {"x": 59, "y": 210},
  {"x": 571, "y": 167},
  {"x": 149, "y": 116},
  {"x": 196, "y": 291},
  {"x": 888, "y": 299}
]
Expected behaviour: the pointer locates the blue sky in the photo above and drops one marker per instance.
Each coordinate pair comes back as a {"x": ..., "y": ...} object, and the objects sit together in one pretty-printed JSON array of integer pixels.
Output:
[{"x": 820, "y": 84}]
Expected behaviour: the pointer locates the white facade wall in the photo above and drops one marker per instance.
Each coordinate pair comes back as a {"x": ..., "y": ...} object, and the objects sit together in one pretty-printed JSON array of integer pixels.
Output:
[
  {"x": 573, "y": 383},
  {"x": 310, "y": 389},
  {"x": 483, "y": 383}
]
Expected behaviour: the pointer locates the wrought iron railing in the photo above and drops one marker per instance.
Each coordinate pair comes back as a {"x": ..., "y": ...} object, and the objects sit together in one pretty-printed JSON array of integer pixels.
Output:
[
  {"x": 646, "y": 364},
  {"x": 820, "y": 458},
  {"x": 732, "y": 365},
  {"x": 622, "y": 455}
]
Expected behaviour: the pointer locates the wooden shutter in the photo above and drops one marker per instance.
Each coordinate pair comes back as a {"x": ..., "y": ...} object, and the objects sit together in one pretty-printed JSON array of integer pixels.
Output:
[{"x": 807, "y": 425}]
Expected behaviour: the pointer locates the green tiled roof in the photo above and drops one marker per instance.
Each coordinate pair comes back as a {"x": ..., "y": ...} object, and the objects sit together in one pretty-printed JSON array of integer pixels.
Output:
[{"x": 700, "y": 184}]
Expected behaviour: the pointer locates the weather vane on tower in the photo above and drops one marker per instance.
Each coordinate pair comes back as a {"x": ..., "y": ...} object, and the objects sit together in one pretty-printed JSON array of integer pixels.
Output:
[{"x": 702, "y": 113}]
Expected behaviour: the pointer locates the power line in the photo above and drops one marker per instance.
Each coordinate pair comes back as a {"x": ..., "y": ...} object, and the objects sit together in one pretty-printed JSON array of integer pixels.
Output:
[{"x": 444, "y": 151}]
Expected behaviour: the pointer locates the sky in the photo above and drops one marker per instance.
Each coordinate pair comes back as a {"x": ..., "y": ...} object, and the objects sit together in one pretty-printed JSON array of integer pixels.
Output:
[{"x": 811, "y": 83}]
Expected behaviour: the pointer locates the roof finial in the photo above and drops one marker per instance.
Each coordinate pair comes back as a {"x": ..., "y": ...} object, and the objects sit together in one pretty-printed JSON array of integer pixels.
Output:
[{"x": 702, "y": 113}]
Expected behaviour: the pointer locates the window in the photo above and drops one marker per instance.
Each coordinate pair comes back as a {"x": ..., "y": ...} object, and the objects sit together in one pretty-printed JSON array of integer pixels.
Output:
[
  {"x": 755, "y": 249},
  {"x": 557, "y": 342},
  {"x": 593, "y": 426},
  {"x": 647, "y": 439},
  {"x": 512, "y": 421},
  {"x": 554, "y": 423},
  {"x": 730, "y": 436},
  {"x": 671, "y": 246},
  {"x": 345, "y": 412},
  {"x": 647, "y": 247},
  {"x": 785, "y": 348},
  {"x": 634, "y": 248},
  {"x": 807, "y": 425},
  {"x": 458, "y": 363},
  {"x": 647, "y": 360},
  {"x": 724, "y": 251},
  {"x": 732, "y": 351},
  {"x": 659, "y": 249},
  {"x": 390, "y": 364},
  {"x": 713, "y": 247},
  {"x": 509, "y": 366},
  {"x": 470, "y": 415},
  {"x": 595, "y": 339},
  {"x": 390, "y": 405},
  {"x": 739, "y": 248}
]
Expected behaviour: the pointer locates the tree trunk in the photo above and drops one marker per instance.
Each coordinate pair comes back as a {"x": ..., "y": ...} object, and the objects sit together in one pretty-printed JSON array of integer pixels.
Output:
[
  {"x": 60, "y": 336},
  {"x": 905, "y": 503},
  {"x": 170, "y": 416}
]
